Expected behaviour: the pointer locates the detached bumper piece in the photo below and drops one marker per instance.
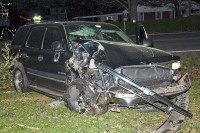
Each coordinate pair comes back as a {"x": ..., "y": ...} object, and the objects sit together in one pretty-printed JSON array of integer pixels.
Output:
[
  {"x": 137, "y": 88},
  {"x": 175, "y": 119}
]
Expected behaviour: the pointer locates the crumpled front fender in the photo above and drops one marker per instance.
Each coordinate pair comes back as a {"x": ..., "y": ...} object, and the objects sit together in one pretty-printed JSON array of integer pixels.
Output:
[{"x": 183, "y": 85}]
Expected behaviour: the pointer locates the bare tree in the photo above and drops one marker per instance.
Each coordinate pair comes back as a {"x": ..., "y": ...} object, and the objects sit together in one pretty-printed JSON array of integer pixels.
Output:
[
  {"x": 129, "y": 5},
  {"x": 3, "y": 9},
  {"x": 79, "y": 7},
  {"x": 179, "y": 6},
  {"x": 197, "y": 1}
]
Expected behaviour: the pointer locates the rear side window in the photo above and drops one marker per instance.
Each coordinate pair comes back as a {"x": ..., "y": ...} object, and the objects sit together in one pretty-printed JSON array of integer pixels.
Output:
[
  {"x": 20, "y": 36},
  {"x": 35, "y": 37},
  {"x": 52, "y": 34}
]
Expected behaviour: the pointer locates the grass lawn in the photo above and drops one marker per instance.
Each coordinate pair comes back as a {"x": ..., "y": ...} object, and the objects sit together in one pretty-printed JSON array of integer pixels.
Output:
[{"x": 29, "y": 112}]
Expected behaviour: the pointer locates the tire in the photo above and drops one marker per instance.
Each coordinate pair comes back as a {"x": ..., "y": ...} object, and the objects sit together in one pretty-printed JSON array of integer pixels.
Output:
[
  {"x": 20, "y": 80},
  {"x": 81, "y": 99},
  {"x": 103, "y": 109}
]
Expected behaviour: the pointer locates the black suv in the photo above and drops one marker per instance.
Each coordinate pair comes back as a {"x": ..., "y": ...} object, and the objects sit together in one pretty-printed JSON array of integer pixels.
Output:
[{"x": 91, "y": 65}]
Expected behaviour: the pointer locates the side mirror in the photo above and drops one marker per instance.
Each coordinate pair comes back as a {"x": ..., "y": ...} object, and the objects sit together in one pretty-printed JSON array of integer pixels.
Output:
[
  {"x": 57, "y": 46},
  {"x": 147, "y": 42},
  {"x": 142, "y": 37}
]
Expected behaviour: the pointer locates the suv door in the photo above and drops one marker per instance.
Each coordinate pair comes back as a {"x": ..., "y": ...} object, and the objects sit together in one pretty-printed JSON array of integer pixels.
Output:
[
  {"x": 29, "y": 55},
  {"x": 52, "y": 73}
]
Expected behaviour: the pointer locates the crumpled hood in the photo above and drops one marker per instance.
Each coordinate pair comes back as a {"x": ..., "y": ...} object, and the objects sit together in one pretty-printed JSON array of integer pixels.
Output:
[
  {"x": 119, "y": 54},
  {"x": 123, "y": 54}
]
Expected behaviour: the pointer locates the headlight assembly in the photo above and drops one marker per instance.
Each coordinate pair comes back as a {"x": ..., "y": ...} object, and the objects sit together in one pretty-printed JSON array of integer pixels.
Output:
[{"x": 176, "y": 65}]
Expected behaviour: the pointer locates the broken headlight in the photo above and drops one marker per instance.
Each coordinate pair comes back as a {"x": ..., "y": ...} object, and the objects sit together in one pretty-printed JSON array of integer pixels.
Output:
[
  {"x": 176, "y": 70},
  {"x": 176, "y": 65}
]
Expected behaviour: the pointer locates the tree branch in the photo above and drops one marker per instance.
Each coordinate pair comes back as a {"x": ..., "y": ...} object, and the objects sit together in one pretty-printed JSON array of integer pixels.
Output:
[{"x": 123, "y": 3}]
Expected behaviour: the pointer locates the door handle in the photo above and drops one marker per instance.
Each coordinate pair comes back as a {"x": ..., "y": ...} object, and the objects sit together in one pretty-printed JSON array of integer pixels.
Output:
[{"x": 40, "y": 58}]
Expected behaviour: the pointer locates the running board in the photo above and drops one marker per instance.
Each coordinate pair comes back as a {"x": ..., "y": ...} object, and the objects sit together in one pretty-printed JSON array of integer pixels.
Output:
[{"x": 48, "y": 92}]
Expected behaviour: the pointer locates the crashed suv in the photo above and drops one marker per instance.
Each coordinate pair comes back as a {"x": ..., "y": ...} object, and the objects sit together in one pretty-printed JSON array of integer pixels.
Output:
[{"x": 92, "y": 65}]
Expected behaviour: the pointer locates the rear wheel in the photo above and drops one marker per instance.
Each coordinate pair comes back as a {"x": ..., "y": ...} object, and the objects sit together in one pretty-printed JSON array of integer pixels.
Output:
[
  {"x": 20, "y": 80},
  {"x": 80, "y": 98}
]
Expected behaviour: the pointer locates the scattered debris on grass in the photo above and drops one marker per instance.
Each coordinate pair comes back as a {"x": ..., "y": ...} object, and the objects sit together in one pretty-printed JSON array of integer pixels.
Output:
[
  {"x": 56, "y": 104},
  {"x": 8, "y": 92},
  {"x": 28, "y": 127}
]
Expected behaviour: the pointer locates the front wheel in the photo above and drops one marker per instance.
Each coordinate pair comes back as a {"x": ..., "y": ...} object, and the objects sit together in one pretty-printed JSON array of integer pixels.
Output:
[{"x": 82, "y": 99}]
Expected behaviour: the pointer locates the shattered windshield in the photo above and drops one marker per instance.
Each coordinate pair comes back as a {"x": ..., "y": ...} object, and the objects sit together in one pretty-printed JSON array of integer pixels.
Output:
[{"x": 96, "y": 32}]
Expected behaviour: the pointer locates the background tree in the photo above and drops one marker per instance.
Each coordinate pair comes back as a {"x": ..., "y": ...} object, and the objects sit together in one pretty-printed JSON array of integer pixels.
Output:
[
  {"x": 197, "y": 1},
  {"x": 76, "y": 7},
  {"x": 129, "y": 5},
  {"x": 179, "y": 6}
]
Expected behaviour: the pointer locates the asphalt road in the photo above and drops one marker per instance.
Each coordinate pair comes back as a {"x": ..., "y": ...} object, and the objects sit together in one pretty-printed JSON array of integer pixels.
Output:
[{"x": 177, "y": 42}]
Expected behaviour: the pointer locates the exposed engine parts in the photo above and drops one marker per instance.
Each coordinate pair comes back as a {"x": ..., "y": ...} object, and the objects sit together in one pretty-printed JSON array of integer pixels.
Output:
[{"x": 80, "y": 58}]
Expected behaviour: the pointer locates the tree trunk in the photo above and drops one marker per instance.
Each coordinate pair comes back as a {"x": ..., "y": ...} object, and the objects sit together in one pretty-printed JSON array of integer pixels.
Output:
[
  {"x": 178, "y": 12},
  {"x": 132, "y": 6}
]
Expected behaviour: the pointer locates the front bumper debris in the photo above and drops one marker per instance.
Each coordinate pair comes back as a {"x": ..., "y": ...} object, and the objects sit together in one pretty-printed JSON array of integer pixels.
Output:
[
  {"x": 175, "y": 119},
  {"x": 138, "y": 89},
  {"x": 182, "y": 86}
]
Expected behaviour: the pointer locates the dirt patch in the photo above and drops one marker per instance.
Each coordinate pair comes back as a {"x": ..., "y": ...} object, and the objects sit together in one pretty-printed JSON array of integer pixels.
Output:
[
  {"x": 194, "y": 73},
  {"x": 41, "y": 98}
]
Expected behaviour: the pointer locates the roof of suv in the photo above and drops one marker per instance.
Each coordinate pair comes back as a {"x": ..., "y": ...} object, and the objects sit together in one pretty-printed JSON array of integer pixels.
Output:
[{"x": 67, "y": 22}]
